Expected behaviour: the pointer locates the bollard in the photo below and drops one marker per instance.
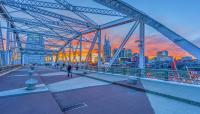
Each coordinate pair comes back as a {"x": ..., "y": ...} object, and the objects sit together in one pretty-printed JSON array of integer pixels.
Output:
[
  {"x": 132, "y": 80},
  {"x": 31, "y": 83}
]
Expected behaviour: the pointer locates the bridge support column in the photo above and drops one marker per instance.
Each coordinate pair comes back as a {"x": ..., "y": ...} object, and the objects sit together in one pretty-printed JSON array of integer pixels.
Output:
[
  {"x": 70, "y": 49},
  {"x": 141, "y": 46},
  {"x": 7, "y": 57},
  {"x": 52, "y": 62},
  {"x": 81, "y": 49},
  {"x": 99, "y": 48},
  {"x": 2, "y": 50}
]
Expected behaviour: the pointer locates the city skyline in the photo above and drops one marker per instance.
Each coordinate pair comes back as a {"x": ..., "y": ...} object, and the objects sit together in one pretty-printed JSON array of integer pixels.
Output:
[
  {"x": 151, "y": 49},
  {"x": 162, "y": 43}
]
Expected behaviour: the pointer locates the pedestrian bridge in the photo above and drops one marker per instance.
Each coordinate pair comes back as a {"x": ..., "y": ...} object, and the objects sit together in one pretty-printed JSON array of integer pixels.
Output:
[{"x": 64, "y": 32}]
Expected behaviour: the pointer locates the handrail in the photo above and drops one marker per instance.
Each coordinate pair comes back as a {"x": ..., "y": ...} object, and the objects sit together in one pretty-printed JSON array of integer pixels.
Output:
[
  {"x": 7, "y": 68},
  {"x": 181, "y": 76}
]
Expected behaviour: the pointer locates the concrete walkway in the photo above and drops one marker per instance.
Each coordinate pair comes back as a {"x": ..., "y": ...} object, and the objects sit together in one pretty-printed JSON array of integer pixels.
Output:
[
  {"x": 75, "y": 83},
  {"x": 23, "y": 91},
  {"x": 166, "y": 97},
  {"x": 102, "y": 94}
]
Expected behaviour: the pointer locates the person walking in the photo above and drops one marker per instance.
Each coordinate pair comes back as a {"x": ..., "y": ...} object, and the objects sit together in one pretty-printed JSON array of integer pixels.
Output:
[
  {"x": 76, "y": 66},
  {"x": 69, "y": 70},
  {"x": 63, "y": 66}
]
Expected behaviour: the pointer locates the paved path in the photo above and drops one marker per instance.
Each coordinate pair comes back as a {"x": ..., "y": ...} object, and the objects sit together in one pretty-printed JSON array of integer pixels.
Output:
[
  {"x": 107, "y": 99},
  {"x": 57, "y": 92},
  {"x": 160, "y": 104},
  {"x": 75, "y": 83},
  {"x": 23, "y": 91}
]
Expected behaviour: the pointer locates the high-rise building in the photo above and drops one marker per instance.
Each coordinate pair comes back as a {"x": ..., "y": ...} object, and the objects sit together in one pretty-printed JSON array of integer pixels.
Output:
[
  {"x": 34, "y": 43},
  {"x": 124, "y": 53},
  {"x": 124, "y": 56},
  {"x": 129, "y": 53},
  {"x": 162, "y": 53},
  {"x": 107, "y": 49},
  {"x": 161, "y": 61}
]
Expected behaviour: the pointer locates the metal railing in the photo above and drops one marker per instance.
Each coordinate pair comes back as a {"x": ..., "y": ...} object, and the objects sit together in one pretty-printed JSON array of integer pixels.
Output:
[
  {"x": 181, "y": 76},
  {"x": 7, "y": 68}
]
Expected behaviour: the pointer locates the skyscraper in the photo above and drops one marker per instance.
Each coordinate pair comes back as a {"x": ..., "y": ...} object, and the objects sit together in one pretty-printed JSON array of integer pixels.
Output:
[
  {"x": 34, "y": 42},
  {"x": 124, "y": 53},
  {"x": 107, "y": 49}
]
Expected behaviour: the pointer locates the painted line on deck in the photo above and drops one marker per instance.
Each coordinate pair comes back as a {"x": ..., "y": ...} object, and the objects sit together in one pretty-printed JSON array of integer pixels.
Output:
[
  {"x": 23, "y": 91},
  {"x": 75, "y": 83},
  {"x": 9, "y": 71},
  {"x": 54, "y": 74}
]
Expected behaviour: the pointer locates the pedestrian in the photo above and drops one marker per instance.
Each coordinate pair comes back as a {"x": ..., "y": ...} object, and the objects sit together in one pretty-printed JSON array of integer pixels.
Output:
[
  {"x": 69, "y": 70},
  {"x": 57, "y": 65},
  {"x": 77, "y": 66},
  {"x": 63, "y": 66}
]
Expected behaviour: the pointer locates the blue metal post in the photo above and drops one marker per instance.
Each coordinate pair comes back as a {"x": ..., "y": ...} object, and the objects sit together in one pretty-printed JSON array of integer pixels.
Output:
[
  {"x": 7, "y": 44},
  {"x": 80, "y": 56},
  {"x": 99, "y": 48},
  {"x": 141, "y": 46}
]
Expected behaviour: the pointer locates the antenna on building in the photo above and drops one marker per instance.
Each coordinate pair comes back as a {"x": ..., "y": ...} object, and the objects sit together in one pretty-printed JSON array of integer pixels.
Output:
[{"x": 105, "y": 38}]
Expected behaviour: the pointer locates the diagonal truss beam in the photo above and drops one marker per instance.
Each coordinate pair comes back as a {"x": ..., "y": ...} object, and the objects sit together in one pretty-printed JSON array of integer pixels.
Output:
[
  {"x": 48, "y": 36},
  {"x": 39, "y": 20},
  {"x": 108, "y": 25},
  {"x": 6, "y": 15},
  {"x": 91, "y": 47},
  {"x": 45, "y": 12},
  {"x": 123, "y": 44},
  {"x": 49, "y": 22},
  {"x": 67, "y": 5},
  {"x": 36, "y": 23},
  {"x": 44, "y": 4}
]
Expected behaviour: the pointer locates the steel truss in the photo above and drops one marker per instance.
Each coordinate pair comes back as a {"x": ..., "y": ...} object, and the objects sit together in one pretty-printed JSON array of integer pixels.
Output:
[{"x": 52, "y": 25}]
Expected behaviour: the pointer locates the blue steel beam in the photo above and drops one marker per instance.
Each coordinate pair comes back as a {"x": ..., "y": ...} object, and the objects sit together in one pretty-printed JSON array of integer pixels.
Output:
[
  {"x": 45, "y": 12},
  {"x": 92, "y": 46},
  {"x": 67, "y": 5},
  {"x": 35, "y": 23},
  {"x": 114, "y": 23},
  {"x": 125, "y": 40},
  {"x": 117, "y": 22},
  {"x": 50, "y": 22},
  {"x": 39, "y": 19},
  {"x": 51, "y": 45},
  {"x": 48, "y": 36},
  {"x": 130, "y": 11},
  {"x": 38, "y": 50},
  {"x": 73, "y": 38},
  {"x": 2, "y": 50},
  {"x": 44, "y": 4},
  {"x": 46, "y": 22},
  {"x": 35, "y": 53},
  {"x": 51, "y": 36},
  {"x": 6, "y": 15}
]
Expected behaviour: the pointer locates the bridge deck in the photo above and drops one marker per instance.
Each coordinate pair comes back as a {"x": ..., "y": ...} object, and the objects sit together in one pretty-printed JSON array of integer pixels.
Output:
[{"x": 57, "y": 92}]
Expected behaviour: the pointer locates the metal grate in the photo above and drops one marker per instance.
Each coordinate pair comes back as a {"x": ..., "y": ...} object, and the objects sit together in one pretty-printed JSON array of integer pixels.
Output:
[{"x": 74, "y": 106}]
